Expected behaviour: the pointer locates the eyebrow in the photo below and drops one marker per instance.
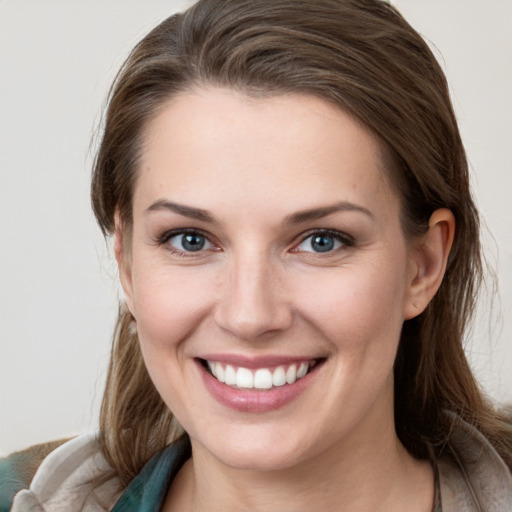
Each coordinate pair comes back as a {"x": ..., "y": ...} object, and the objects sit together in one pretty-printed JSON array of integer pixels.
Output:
[
  {"x": 295, "y": 218},
  {"x": 181, "y": 209},
  {"x": 324, "y": 211}
]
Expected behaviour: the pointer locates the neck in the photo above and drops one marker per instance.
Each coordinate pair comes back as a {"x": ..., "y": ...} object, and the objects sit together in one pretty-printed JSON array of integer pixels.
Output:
[{"x": 370, "y": 471}]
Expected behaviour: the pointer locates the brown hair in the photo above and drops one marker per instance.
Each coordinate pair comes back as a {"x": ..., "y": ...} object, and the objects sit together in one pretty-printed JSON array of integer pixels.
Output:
[{"x": 362, "y": 56}]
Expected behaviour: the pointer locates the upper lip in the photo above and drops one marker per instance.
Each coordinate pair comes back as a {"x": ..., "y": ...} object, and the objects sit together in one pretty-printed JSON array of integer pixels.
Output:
[{"x": 263, "y": 361}]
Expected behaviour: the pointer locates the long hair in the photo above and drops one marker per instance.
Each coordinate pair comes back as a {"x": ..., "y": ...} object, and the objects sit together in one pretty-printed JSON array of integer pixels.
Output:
[{"x": 363, "y": 57}]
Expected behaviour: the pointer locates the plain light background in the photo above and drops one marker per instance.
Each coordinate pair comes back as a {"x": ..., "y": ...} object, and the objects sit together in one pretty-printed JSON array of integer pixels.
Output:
[{"x": 58, "y": 289}]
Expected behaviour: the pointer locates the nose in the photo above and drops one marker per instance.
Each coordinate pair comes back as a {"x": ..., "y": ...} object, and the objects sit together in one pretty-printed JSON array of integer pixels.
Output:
[{"x": 253, "y": 302}]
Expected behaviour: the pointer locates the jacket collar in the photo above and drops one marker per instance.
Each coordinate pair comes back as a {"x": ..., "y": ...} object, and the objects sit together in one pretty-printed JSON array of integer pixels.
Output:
[
  {"x": 472, "y": 475},
  {"x": 147, "y": 491}
]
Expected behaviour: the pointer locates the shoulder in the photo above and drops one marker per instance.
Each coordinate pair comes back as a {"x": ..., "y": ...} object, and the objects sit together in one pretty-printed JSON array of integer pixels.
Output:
[
  {"x": 18, "y": 469},
  {"x": 473, "y": 476},
  {"x": 59, "y": 477}
]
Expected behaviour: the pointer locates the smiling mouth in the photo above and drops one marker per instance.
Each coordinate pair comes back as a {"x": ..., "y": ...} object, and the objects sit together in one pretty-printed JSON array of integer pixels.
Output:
[{"x": 239, "y": 377}]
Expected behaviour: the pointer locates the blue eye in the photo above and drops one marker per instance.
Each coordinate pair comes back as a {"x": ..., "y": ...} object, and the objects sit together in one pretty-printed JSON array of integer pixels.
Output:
[
  {"x": 190, "y": 242},
  {"x": 323, "y": 242}
]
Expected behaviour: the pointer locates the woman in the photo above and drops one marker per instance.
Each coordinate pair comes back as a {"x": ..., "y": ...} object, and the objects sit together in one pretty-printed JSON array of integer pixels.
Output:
[{"x": 298, "y": 247}]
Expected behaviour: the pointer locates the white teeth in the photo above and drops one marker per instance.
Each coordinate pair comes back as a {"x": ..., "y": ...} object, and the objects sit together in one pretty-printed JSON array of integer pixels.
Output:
[
  {"x": 303, "y": 369},
  {"x": 279, "y": 376},
  {"x": 230, "y": 375},
  {"x": 219, "y": 372},
  {"x": 291, "y": 374},
  {"x": 262, "y": 378},
  {"x": 244, "y": 378}
]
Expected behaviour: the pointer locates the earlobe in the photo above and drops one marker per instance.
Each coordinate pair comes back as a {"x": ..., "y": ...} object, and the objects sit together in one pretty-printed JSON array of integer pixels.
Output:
[
  {"x": 428, "y": 262},
  {"x": 122, "y": 255}
]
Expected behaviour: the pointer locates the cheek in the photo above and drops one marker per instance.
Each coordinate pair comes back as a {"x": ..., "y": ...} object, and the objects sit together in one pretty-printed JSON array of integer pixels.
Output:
[
  {"x": 356, "y": 306},
  {"x": 168, "y": 309},
  {"x": 169, "y": 303}
]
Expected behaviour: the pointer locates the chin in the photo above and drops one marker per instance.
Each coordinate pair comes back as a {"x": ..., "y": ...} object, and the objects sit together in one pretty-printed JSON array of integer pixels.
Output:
[
  {"x": 258, "y": 460},
  {"x": 256, "y": 449}
]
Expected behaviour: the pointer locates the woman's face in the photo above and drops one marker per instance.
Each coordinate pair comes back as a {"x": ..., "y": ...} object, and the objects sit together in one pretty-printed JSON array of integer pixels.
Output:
[{"x": 267, "y": 248}]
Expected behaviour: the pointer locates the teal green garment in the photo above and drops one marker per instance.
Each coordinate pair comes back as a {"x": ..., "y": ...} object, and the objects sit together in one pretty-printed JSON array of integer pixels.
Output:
[
  {"x": 148, "y": 490},
  {"x": 12, "y": 479}
]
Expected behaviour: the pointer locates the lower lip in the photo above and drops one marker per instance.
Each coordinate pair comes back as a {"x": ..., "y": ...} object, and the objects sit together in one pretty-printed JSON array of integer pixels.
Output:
[{"x": 252, "y": 400}]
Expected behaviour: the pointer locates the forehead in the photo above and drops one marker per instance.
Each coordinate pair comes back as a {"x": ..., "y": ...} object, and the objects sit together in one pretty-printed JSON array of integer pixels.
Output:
[{"x": 288, "y": 150}]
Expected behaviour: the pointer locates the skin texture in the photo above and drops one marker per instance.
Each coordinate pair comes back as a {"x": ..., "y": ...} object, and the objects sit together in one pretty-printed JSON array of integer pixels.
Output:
[{"x": 258, "y": 288}]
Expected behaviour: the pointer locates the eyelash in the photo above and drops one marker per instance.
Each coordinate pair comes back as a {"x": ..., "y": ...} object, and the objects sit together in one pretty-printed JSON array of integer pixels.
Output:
[
  {"x": 164, "y": 239},
  {"x": 345, "y": 240}
]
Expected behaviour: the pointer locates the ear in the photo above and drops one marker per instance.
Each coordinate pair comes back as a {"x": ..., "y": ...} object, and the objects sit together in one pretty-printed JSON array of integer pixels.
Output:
[
  {"x": 428, "y": 258},
  {"x": 122, "y": 254}
]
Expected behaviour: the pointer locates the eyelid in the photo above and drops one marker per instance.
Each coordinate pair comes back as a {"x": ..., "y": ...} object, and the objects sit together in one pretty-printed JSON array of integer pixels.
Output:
[
  {"x": 345, "y": 239},
  {"x": 167, "y": 235}
]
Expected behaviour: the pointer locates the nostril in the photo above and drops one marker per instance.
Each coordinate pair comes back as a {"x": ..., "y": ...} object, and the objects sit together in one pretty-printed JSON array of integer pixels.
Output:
[{"x": 249, "y": 320}]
